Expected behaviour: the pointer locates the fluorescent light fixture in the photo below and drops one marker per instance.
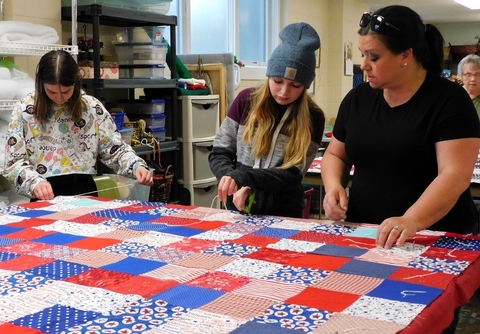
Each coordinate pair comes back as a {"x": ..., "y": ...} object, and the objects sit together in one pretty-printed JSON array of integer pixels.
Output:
[{"x": 472, "y": 4}]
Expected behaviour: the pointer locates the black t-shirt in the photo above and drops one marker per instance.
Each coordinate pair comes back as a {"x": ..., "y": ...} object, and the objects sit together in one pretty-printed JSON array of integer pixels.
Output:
[{"x": 393, "y": 149}]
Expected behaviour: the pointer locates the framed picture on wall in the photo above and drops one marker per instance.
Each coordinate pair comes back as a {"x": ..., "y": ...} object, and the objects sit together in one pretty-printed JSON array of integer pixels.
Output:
[{"x": 318, "y": 56}]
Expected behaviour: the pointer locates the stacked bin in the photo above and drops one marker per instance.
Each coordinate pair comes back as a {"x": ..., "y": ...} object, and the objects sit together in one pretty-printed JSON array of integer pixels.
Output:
[
  {"x": 199, "y": 125},
  {"x": 150, "y": 110}
]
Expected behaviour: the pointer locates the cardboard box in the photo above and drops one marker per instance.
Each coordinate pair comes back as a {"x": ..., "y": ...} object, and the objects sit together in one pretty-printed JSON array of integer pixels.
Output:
[{"x": 108, "y": 69}]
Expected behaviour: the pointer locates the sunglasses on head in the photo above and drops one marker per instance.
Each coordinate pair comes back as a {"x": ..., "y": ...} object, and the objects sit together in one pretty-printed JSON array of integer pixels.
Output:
[{"x": 376, "y": 22}]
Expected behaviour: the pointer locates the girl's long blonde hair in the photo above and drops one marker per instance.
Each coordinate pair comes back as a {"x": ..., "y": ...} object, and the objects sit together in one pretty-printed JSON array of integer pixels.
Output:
[{"x": 260, "y": 126}]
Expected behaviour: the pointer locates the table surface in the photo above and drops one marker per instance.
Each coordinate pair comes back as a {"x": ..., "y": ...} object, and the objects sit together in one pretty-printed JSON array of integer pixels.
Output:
[{"x": 91, "y": 265}]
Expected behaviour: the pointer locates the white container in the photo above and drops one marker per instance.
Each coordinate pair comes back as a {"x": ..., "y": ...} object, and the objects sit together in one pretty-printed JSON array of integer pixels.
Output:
[
  {"x": 127, "y": 52},
  {"x": 200, "y": 116},
  {"x": 141, "y": 71},
  {"x": 147, "y": 107},
  {"x": 152, "y": 121},
  {"x": 152, "y": 34},
  {"x": 195, "y": 165},
  {"x": 203, "y": 194},
  {"x": 155, "y": 6}
]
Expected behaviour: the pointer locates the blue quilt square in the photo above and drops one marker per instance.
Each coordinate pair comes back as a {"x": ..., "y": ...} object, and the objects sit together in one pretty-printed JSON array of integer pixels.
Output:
[
  {"x": 56, "y": 319},
  {"x": 457, "y": 243},
  {"x": 85, "y": 202},
  {"x": 5, "y": 229},
  {"x": 5, "y": 256},
  {"x": 59, "y": 238},
  {"x": 188, "y": 296},
  {"x": 137, "y": 216},
  {"x": 33, "y": 213},
  {"x": 148, "y": 227},
  {"x": 405, "y": 292},
  {"x": 255, "y": 327},
  {"x": 58, "y": 270},
  {"x": 276, "y": 232},
  {"x": 365, "y": 268},
  {"x": 135, "y": 266},
  {"x": 337, "y": 250},
  {"x": 364, "y": 232},
  {"x": 182, "y": 231},
  {"x": 7, "y": 241}
]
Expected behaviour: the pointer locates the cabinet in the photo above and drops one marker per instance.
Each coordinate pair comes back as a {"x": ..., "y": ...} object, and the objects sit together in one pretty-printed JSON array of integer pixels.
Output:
[
  {"x": 198, "y": 128},
  {"x": 99, "y": 15}
]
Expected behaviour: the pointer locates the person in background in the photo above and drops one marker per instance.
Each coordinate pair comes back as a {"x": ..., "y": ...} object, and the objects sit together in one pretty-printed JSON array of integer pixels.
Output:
[
  {"x": 412, "y": 136},
  {"x": 272, "y": 133},
  {"x": 57, "y": 132},
  {"x": 468, "y": 71}
]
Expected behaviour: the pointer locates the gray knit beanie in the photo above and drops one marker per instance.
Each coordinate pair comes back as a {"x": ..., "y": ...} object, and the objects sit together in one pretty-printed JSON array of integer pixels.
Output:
[{"x": 294, "y": 58}]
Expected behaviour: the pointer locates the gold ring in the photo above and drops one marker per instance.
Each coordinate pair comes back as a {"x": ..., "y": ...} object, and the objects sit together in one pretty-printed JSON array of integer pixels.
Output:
[{"x": 396, "y": 228}]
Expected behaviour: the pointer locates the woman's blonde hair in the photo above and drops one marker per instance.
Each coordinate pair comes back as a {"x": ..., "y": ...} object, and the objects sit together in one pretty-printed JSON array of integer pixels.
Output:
[{"x": 260, "y": 126}]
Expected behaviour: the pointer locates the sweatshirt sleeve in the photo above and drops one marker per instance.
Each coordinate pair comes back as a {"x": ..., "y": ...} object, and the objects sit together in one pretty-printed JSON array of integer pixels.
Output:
[{"x": 18, "y": 170}]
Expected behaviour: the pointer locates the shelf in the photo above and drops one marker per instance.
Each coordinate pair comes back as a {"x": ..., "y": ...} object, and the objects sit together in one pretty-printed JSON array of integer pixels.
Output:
[
  {"x": 129, "y": 83},
  {"x": 165, "y": 146},
  {"x": 32, "y": 49},
  {"x": 119, "y": 17}
]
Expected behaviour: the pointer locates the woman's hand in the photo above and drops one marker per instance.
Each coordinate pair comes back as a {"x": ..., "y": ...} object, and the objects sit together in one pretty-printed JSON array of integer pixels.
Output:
[
  {"x": 335, "y": 204},
  {"x": 227, "y": 186},
  {"x": 240, "y": 197},
  {"x": 44, "y": 190},
  {"x": 144, "y": 176},
  {"x": 396, "y": 230}
]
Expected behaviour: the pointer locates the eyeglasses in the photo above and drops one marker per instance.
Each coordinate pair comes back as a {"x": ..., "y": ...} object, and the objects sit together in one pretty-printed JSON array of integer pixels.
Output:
[
  {"x": 376, "y": 22},
  {"x": 470, "y": 75}
]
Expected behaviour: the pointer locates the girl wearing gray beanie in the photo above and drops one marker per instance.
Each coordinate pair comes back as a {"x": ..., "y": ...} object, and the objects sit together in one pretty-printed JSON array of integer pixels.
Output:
[{"x": 272, "y": 133}]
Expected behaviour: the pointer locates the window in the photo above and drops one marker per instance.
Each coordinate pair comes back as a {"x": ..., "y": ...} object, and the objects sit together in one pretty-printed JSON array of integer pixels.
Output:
[{"x": 247, "y": 28}]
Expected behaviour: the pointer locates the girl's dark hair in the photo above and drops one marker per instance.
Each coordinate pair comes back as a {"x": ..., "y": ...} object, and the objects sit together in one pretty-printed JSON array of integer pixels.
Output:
[
  {"x": 425, "y": 40},
  {"x": 57, "y": 67}
]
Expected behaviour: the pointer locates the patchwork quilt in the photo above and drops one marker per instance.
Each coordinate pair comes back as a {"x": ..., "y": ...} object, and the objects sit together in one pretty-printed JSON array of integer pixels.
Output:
[{"x": 93, "y": 265}]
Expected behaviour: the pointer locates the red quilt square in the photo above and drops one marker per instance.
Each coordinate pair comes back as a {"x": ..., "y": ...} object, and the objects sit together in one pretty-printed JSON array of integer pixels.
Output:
[
  {"x": 11, "y": 328},
  {"x": 355, "y": 242},
  {"x": 93, "y": 243},
  {"x": 32, "y": 222},
  {"x": 275, "y": 255},
  {"x": 88, "y": 219},
  {"x": 176, "y": 221},
  {"x": 423, "y": 277},
  {"x": 25, "y": 247},
  {"x": 316, "y": 261},
  {"x": 28, "y": 234},
  {"x": 24, "y": 262},
  {"x": 315, "y": 237},
  {"x": 255, "y": 240},
  {"x": 451, "y": 254},
  {"x": 424, "y": 240},
  {"x": 143, "y": 286},
  {"x": 220, "y": 281},
  {"x": 35, "y": 205},
  {"x": 136, "y": 207},
  {"x": 193, "y": 245},
  {"x": 326, "y": 300},
  {"x": 100, "y": 278},
  {"x": 182, "y": 207},
  {"x": 208, "y": 225}
]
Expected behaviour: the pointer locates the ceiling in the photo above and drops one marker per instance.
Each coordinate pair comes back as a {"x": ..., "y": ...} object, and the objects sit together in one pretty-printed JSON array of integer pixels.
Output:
[{"x": 433, "y": 11}]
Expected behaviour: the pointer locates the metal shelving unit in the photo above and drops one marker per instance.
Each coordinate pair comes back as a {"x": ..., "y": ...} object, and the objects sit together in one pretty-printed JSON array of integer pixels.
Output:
[{"x": 100, "y": 15}]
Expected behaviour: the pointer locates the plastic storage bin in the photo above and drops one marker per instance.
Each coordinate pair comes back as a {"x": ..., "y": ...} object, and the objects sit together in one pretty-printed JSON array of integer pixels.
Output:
[
  {"x": 127, "y": 134},
  {"x": 158, "y": 133},
  {"x": 142, "y": 71},
  {"x": 152, "y": 121},
  {"x": 141, "y": 53},
  {"x": 195, "y": 165},
  {"x": 202, "y": 194},
  {"x": 141, "y": 35},
  {"x": 156, "y": 6},
  {"x": 130, "y": 189},
  {"x": 144, "y": 107},
  {"x": 118, "y": 117}
]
